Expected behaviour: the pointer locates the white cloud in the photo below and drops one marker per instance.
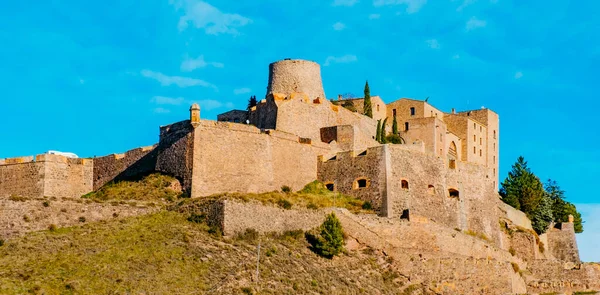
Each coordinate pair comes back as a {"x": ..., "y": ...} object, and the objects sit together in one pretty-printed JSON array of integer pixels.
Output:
[
  {"x": 161, "y": 111},
  {"x": 242, "y": 90},
  {"x": 465, "y": 4},
  {"x": 339, "y": 26},
  {"x": 211, "y": 104},
  {"x": 205, "y": 16},
  {"x": 168, "y": 100},
  {"x": 344, "y": 2},
  {"x": 475, "y": 23},
  {"x": 433, "y": 43},
  {"x": 182, "y": 82},
  {"x": 374, "y": 16},
  {"x": 456, "y": 56},
  {"x": 341, "y": 59},
  {"x": 589, "y": 241},
  {"x": 518, "y": 75},
  {"x": 412, "y": 6},
  {"x": 190, "y": 64}
]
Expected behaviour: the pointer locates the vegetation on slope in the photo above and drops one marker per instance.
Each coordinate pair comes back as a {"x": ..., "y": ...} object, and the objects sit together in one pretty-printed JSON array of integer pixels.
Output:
[
  {"x": 543, "y": 203},
  {"x": 164, "y": 253},
  {"x": 151, "y": 187}
]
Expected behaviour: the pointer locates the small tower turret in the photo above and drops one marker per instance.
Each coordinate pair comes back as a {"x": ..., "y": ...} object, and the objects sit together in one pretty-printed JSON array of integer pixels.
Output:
[{"x": 195, "y": 115}]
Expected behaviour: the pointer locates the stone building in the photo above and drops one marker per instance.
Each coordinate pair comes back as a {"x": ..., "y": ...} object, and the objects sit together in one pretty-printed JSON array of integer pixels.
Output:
[{"x": 445, "y": 173}]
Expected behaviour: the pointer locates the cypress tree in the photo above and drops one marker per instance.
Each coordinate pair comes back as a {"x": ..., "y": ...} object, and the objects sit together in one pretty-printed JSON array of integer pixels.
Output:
[
  {"x": 378, "y": 135},
  {"x": 367, "y": 107},
  {"x": 252, "y": 102},
  {"x": 383, "y": 133},
  {"x": 395, "y": 126}
]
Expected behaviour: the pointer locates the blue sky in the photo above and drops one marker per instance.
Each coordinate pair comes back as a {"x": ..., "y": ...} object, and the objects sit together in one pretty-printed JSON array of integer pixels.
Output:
[{"x": 95, "y": 77}]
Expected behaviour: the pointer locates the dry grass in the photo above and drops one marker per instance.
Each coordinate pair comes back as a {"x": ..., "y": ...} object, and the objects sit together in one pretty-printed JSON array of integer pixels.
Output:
[
  {"x": 152, "y": 187},
  {"x": 164, "y": 253}
]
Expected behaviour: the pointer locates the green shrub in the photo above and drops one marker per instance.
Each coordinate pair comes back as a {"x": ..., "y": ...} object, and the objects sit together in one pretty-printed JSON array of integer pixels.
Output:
[
  {"x": 81, "y": 219},
  {"x": 52, "y": 227},
  {"x": 46, "y": 204},
  {"x": 1, "y": 242},
  {"x": 197, "y": 218},
  {"x": 367, "y": 205},
  {"x": 26, "y": 218},
  {"x": 512, "y": 251},
  {"x": 515, "y": 266},
  {"x": 286, "y": 189},
  {"x": 17, "y": 198},
  {"x": 247, "y": 291},
  {"x": 316, "y": 187},
  {"x": 328, "y": 239},
  {"x": 285, "y": 204},
  {"x": 312, "y": 205}
]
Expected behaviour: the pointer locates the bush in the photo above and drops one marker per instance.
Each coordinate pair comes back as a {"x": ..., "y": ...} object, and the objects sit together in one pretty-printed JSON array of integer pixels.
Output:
[
  {"x": 197, "y": 218},
  {"x": 1, "y": 242},
  {"x": 328, "y": 239},
  {"x": 52, "y": 227},
  {"x": 215, "y": 231},
  {"x": 247, "y": 291},
  {"x": 286, "y": 189},
  {"x": 285, "y": 204},
  {"x": 46, "y": 204},
  {"x": 81, "y": 219},
  {"x": 17, "y": 198},
  {"x": 367, "y": 206},
  {"x": 515, "y": 266},
  {"x": 26, "y": 218},
  {"x": 316, "y": 187},
  {"x": 512, "y": 251}
]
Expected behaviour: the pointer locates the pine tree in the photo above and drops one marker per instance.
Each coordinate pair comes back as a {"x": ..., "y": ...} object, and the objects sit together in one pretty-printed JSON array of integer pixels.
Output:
[
  {"x": 383, "y": 134},
  {"x": 395, "y": 126},
  {"x": 329, "y": 240},
  {"x": 252, "y": 102},
  {"x": 378, "y": 135},
  {"x": 542, "y": 216},
  {"x": 509, "y": 189},
  {"x": 367, "y": 107},
  {"x": 561, "y": 209}
]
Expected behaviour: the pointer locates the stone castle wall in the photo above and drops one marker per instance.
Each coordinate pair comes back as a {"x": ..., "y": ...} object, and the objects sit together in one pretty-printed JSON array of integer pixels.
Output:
[
  {"x": 45, "y": 175},
  {"x": 175, "y": 152},
  {"x": 131, "y": 164},
  {"x": 231, "y": 157},
  {"x": 562, "y": 242},
  {"x": 289, "y": 76}
]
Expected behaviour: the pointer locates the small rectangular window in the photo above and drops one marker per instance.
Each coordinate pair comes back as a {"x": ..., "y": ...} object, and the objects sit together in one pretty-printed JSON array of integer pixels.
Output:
[
  {"x": 480, "y": 140},
  {"x": 394, "y": 112},
  {"x": 412, "y": 111},
  {"x": 406, "y": 126},
  {"x": 494, "y": 159},
  {"x": 480, "y": 153},
  {"x": 474, "y": 150},
  {"x": 474, "y": 138},
  {"x": 480, "y": 129},
  {"x": 474, "y": 127}
]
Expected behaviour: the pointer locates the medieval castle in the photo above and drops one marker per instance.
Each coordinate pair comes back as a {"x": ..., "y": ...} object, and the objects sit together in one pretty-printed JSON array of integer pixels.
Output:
[{"x": 445, "y": 173}]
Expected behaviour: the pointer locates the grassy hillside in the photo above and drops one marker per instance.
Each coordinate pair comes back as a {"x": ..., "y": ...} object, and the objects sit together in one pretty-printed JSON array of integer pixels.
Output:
[{"x": 164, "y": 253}]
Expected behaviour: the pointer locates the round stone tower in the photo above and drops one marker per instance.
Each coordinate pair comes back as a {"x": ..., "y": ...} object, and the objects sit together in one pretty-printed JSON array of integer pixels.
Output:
[{"x": 295, "y": 75}]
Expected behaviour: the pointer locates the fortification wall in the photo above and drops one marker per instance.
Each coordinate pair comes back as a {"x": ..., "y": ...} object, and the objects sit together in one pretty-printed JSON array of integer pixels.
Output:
[
  {"x": 345, "y": 170},
  {"x": 239, "y": 216},
  {"x": 66, "y": 177},
  {"x": 175, "y": 152},
  {"x": 555, "y": 276},
  {"x": 47, "y": 175},
  {"x": 562, "y": 242},
  {"x": 231, "y": 157},
  {"x": 129, "y": 165},
  {"x": 21, "y": 176},
  {"x": 289, "y": 76}
]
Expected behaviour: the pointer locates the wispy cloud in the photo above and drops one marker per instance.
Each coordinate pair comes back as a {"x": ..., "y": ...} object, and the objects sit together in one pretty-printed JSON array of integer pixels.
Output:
[
  {"x": 475, "y": 23},
  {"x": 168, "y": 100},
  {"x": 412, "y": 6},
  {"x": 242, "y": 90},
  {"x": 211, "y": 104},
  {"x": 518, "y": 75},
  {"x": 374, "y": 16},
  {"x": 190, "y": 64},
  {"x": 205, "y": 16},
  {"x": 433, "y": 43},
  {"x": 341, "y": 59},
  {"x": 161, "y": 111},
  {"x": 339, "y": 26},
  {"x": 465, "y": 4},
  {"x": 344, "y": 2},
  {"x": 182, "y": 82}
]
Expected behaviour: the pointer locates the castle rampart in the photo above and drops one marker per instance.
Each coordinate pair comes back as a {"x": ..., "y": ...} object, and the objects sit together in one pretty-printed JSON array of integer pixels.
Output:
[{"x": 129, "y": 165}]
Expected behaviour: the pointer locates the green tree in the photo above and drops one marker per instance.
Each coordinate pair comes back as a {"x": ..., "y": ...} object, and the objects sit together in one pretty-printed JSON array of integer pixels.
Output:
[
  {"x": 395, "y": 126},
  {"x": 349, "y": 106},
  {"x": 252, "y": 102},
  {"x": 383, "y": 134},
  {"x": 328, "y": 241},
  {"x": 367, "y": 108},
  {"x": 378, "y": 135},
  {"x": 542, "y": 216},
  {"x": 561, "y": 209},
  {"x": 395, "y": 139}
]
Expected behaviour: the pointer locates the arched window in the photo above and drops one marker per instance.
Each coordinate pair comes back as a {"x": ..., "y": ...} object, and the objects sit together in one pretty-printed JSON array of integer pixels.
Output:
[
  {"x": 453, "y": 193},
  {"x": 452, "y": 150},
  {"x": 431, "y": 189},
  {"x": 404, "y": 184}
]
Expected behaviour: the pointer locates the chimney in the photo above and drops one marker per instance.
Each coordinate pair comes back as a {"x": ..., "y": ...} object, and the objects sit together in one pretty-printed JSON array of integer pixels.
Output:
[
  {"x": 339, "y": 97},
  {"x": 453, "y": 110}
]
